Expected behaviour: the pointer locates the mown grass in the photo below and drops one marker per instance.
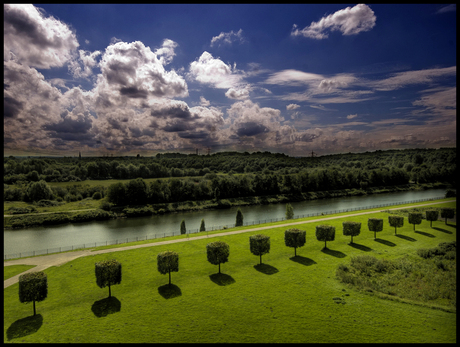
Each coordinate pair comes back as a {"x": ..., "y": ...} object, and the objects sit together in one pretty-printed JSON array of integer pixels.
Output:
[
  {"x": 13, "y": 270},
  {"x": 287, "y": 299}
]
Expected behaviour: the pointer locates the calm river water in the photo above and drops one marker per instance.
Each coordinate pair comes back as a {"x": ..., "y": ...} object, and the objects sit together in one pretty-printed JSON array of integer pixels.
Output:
[{"x": 52, "y": 237}]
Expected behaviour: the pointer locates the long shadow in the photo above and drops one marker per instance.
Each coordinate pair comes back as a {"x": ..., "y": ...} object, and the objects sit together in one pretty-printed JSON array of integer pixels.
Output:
[
  {"x": 104, "y": 307},
  {"x": 361, "y": 247},
  {"x": 24, "y": 326},
  {"x": 443, "y": 230},
  {"x": 266, "y": 269},
  {"x": 169, "y": 291},
  {"x": 222, "y": 279},
  {"x": 336, "y": 254},
  {"x": 303, "y": 260},
  {"x": 385, "y": 242},
  {"x": 408, "y": 238},
  {"x": 424, "y": 233}
]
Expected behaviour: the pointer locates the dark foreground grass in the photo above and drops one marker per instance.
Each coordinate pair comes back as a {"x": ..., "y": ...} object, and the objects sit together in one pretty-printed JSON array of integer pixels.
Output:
[{"x": 286, "y": 299}]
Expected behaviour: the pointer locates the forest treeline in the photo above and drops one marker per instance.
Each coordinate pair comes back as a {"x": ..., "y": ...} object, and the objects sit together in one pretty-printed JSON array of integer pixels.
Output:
[{"x": 225, "y": 175}]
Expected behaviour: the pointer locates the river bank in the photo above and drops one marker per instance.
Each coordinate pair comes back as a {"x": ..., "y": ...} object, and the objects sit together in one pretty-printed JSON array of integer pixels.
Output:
[{"x": 64, "y": 217}]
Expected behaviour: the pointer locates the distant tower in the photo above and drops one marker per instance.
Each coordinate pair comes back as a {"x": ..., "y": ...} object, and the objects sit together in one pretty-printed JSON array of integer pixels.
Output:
[
  {"x": 197, "y": 151},
  {"x": 208, "y": 150},
  {"x": 79, "y": 155}
]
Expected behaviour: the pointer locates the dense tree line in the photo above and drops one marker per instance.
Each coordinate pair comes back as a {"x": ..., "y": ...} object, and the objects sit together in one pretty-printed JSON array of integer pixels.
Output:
[{"x": 225, "y": 175}]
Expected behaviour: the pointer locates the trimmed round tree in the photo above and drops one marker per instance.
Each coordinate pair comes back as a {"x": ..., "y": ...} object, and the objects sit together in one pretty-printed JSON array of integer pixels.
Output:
[
  {"x": 415, "y": 218},
  {"x": 183, "y": 230},
  {"x": 447, "y": 213},
  {"x": 33, "y": 286},
  {"x": 168, "y": 261},
  {"x": 325, "y": 233},
  {"x": 218, "y": 252},
  {"x": 202, "y": 226},
  {"x": 294, "y": 238},
  {"x": 375, "y": 225},
  {"x": 289, "y": 211},
  {"x": 108, "y": 273},
  {"x": 259, "y": 245},
  {"x": 351, "y": 229},
  {"x": 432, "y": 216},
  {"x": 239, "y": 218},
  {"x": 396, "y": 221}
]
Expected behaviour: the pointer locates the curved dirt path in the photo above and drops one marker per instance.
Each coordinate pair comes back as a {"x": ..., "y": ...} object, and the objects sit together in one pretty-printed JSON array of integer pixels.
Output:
[{"x": 58, "y": 259}]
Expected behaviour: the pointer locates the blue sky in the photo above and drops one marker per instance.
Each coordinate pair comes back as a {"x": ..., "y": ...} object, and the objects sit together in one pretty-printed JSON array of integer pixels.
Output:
[{"x": 141, "y": 79}]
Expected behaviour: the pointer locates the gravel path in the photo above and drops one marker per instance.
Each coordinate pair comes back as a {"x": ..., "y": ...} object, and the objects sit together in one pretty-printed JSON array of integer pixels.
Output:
[{"x": 57, "y": 259}]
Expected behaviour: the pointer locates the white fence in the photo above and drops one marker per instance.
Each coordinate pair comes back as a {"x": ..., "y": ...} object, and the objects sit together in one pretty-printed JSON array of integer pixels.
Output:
[{"x": 193, "y": 231}]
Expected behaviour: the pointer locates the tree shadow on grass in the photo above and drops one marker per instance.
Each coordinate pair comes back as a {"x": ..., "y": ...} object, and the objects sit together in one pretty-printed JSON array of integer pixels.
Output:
[
  {"x": 222, "y": 279},
  {"x": 169, "y": 291},
  {"x": 303, "y": 260},
  {"x": 104, "y": 307},
  {"x": 361, "y": 247},
  {"x": 24, "y": 326},
  {"x": 408, "y": 238},
  {"x": 266, "y": 269},
  {"x": 443, "y": 230},
  {"x": 424, "y": 233},
  {"x": 336, "y": 254},
  {"x": 385, "y": 242}
]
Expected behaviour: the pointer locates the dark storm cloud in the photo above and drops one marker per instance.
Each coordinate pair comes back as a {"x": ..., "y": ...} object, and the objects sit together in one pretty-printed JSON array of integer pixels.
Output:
[
  {"x": 11, "y": 107},
  {"x": 251, "y": 129},
  {"x": 68, "y": 125},
  {"x": 133, "y": 92}
]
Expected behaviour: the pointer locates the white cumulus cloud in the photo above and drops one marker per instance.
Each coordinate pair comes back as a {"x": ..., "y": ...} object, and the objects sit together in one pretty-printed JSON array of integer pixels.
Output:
[
  {"x": 228, "y": 38},
  {"x": 349, "y": 21}
]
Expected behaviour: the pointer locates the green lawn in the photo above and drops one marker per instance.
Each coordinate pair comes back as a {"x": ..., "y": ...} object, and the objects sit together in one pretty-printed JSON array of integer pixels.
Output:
[
  {"x": 13, "y": 270},
  {"x": 286, "y": 300}
]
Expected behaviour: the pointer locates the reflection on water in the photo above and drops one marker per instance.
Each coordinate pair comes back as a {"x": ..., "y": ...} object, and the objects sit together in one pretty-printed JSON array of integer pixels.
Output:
[{"x": 25, "y": 240}]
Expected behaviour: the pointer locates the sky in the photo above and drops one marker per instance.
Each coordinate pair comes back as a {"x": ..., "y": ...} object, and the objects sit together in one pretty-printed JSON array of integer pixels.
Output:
[{"x": 123, "y": 79}]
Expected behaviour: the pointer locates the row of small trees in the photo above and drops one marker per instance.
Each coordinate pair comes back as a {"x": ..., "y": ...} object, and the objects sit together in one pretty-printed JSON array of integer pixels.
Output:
[{"x": 33, "y": 286}]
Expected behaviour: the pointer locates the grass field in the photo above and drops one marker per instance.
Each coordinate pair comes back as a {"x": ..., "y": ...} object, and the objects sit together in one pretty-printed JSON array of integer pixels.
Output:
[{"x": 287, "y": 299}]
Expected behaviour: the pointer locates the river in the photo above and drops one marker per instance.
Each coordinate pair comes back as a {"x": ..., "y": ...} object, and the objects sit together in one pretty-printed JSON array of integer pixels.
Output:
[{"x": 64, "y": 237}]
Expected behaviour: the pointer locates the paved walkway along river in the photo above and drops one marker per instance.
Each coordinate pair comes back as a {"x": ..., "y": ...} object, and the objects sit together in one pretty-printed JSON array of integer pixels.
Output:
[{"x": 58, "y": 259}]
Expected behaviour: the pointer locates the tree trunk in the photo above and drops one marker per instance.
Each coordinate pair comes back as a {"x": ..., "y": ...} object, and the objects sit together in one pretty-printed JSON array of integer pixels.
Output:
[
  {"x": 395, "y": 230},
  {"x": 351, "y": 238},
  {"x": 261, "y": 259},
  {"x": 110, "y": 292},
  {"x": 169, "y": 277},
  {"x": 34, "y": 308},
  {"x": 295, "y": 251},
  {"x": 325, "y": 244},
  {"x": 219, "y": 267}
]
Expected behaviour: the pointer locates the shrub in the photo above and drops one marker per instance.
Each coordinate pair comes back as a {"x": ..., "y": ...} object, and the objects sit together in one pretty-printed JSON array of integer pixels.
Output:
[
  {"x": 294, "y": 238},
  {"x": 97, "y": 196},
  {"x": 183, "y": 230},
  {"x": 351, "y": 229},
  {"x": 396, "y": 221},
  {"x": 168, "y": 261},
  {"x": 325, "y": 233},
  {"x": 447, "y": 213},
  {"x": 415, "y": 218},
  {"x": 259, "y": 245},
  {"x": 108, "y": 272},
  {"x": 202, "y": 226},
  {"x": 432, "y": 215},
  {"x": 239, "y": 218},
  {"x": 39, "y": 190},
  {"x": 33, "y": 286},
  {"x": 217, "y": 252},
  {"x": 375, "y": 224},
  {"x": 105, "y": 205},
  {"x": 289, "y": 211}
]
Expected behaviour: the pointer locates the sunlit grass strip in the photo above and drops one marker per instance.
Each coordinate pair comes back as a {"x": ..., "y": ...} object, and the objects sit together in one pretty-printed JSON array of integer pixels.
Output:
[{"x": 13, "y": 270}]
